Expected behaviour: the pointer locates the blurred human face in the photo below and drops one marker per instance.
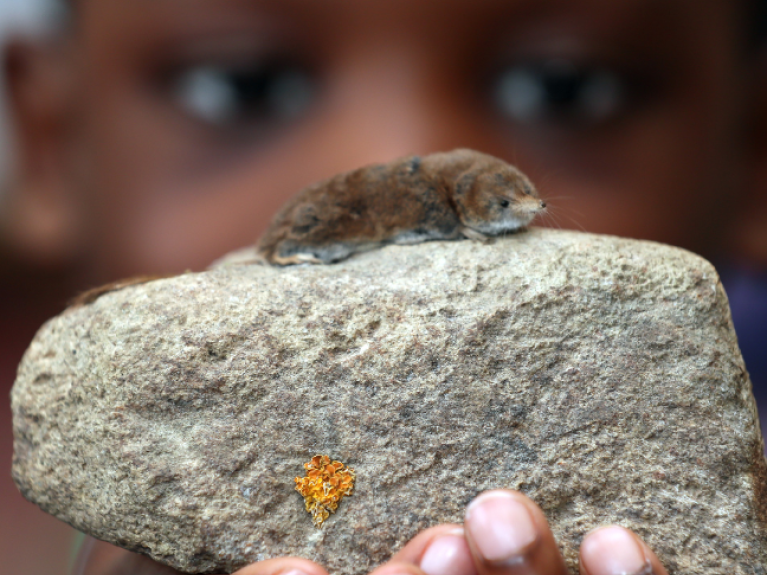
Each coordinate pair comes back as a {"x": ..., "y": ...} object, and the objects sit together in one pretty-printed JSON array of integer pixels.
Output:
[{"x": 194, "y": 120}]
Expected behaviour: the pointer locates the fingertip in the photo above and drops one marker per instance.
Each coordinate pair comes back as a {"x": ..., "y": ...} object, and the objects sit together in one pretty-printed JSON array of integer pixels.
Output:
[
  {"x": 448, "y": 555},
  {"x": 500, "y": 495},
  {"x": 283, "y": 566},
  {"x": 615, "y": 550},
  {"x": 657, "y": 566},
  {"x": 440, "y": 550},
  {"x": 414, "y": 550},
  {"x": 508, "y": 533},
  {"x": 398, "y": 568},
  {"x": 501, "y": 526}
]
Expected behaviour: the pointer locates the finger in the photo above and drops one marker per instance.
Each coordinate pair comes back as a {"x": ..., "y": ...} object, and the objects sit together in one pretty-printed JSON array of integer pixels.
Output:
[
  {"x": 283, "y": 566},
  {"x": 509, "y": 535},
  {"x": 416, "y": 547},
  {"x": 614, "y": 550},
  {"x": 397, "y": 568},
  {"x": 439, "y": 550}
]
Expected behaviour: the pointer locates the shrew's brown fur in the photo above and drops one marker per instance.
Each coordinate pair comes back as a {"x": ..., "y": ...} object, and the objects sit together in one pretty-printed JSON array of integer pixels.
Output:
[{"x": 443, "y": 196}]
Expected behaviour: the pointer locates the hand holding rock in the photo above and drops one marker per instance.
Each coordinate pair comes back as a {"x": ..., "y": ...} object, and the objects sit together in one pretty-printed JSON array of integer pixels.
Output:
[{"x": 504, "y": 533}]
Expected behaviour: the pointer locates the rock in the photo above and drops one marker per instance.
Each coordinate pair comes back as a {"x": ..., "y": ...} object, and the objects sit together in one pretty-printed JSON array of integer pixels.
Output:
[{"x": 601, "y": 376}]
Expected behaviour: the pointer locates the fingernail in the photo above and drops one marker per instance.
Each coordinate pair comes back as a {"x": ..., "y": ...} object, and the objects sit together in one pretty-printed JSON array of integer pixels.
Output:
[
  {"x": 614, "y": 551},
  {"x": 293, "y": 572},
  {"x": 448, "y": 555},
  {"x": 501, "y": 528}
]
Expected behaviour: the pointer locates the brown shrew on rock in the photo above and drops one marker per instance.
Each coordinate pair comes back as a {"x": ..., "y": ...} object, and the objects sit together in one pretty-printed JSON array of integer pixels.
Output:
[{"x": 442, "y": 196}]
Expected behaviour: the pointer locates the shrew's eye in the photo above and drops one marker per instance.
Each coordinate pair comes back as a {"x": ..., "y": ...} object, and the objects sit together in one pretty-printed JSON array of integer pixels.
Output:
[
  {"x": 504, "y": 203},
  {"x": 560, "y": 90},
  {"x": 270, "y": 92}
]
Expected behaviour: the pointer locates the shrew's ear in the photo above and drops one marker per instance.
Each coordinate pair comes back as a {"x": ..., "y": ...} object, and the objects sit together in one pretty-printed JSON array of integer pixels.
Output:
[{"x": 40, "y": 220}]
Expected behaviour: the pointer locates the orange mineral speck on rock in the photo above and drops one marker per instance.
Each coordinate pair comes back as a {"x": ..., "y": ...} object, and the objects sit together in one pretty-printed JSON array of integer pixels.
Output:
[{"x": 324, "y": 486}]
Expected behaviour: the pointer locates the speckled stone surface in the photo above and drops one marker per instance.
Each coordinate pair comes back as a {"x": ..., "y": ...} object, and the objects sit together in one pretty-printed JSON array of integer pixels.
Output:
[{"x": 598, "y": 375}]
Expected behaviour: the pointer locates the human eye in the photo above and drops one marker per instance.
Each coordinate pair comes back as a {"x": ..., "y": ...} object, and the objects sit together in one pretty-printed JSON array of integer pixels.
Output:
[
  {"x": 220, "y": 94},
  {"x": 565, "y": 92}
]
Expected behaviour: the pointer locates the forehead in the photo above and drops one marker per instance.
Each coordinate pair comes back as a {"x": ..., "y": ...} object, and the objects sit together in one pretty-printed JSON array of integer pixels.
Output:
[
  {"x": 475, "y": 35},
  {"x": 661, "y": 16}
]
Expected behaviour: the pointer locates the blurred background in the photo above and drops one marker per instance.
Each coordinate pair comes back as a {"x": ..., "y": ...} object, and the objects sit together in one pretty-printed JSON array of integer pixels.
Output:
[
  {"x": 139, "y": 137},
  {"x": 17, "y": 16},
  {"x": 31, "y": 542}
]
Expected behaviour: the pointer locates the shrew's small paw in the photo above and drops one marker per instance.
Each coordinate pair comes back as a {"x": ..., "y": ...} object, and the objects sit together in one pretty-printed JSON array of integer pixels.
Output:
[
  {"x": 474, "y": 235},
  {"x": 296, "y": 259}
]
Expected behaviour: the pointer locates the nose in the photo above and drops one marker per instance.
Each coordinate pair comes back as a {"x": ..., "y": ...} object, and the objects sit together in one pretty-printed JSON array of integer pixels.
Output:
[
  {"x": 388, "y": 105},
  {"x": 543, "y": 204}
]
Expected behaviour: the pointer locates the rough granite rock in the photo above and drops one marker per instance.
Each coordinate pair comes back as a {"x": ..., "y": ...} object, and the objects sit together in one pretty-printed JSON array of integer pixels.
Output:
[{"x": 601, "y": 376}]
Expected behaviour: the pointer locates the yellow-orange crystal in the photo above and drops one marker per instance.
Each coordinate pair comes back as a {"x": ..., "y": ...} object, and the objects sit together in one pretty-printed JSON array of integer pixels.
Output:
[{"x": 324, "y": 486}]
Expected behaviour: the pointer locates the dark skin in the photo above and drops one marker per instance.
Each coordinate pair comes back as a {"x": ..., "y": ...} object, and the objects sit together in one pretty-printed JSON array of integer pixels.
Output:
[
  {"x": 148, "y": 147},
  {"x": 122, "y": 178},
  {"x": 475, "y": 548}
]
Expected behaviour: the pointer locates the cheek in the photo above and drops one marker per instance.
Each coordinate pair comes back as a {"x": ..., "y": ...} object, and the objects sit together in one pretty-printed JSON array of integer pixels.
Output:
[
  {"x": 192, "y": 231},
  {"x": 662, "y": 179},
  {"x": 664, "y": 203},
  {"x": 171, "y": 226},
  {"x": 164, "y": 198},
  {"x": 167, "y": 204}
]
